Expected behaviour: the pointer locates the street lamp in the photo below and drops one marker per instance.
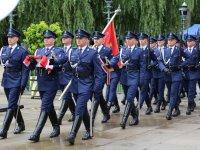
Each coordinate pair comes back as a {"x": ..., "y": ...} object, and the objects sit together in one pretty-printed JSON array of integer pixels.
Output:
[
  {"x": 108, "y": 6},
  {"x": 11, "y": 20},
  {"x": 183, "y": 12}
]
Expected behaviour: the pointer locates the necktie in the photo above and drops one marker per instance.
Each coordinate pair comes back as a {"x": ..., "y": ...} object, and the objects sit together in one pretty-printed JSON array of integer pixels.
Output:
[
  {"x": 80, "y": 51},
  {"x": 47, "y": 50},
  {"x": 190, "y": 50},
  {"x": 171, "y": 50},
  {"x": 97, "y": 48},
  {"x": 10, "y": 51}
]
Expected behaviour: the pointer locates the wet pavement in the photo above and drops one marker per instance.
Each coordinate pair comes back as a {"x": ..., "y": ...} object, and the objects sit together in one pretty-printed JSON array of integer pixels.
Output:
[{"x": 154, "y": 131}]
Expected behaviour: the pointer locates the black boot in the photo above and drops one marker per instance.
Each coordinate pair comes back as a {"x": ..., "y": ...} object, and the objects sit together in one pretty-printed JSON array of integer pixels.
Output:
[
  {"x": 86, "y": 121},
  {"x": 94, "y": 111},
  {"x": 169, "y": 113},
  {"x": 123, "y": 101},
  {"x": 193, "y": 105},
  {"x": 117, "y": 108},
  {"x": 149, "y": 110},
  {"x": 20, "y": 122},
  {"x": 105, "y": 110},
  {"x": 6, "y": 124},
  {"x": 35, "y": 137},
  {"x": 149, "y": 107},
  {"x": 164, "y": 104},
  {"x": 106, "y": 116},
  {"x": 62, "y": 111},
  {"x": 55, "y": 125},
  {"x": 176, "y": 112},
  {"x": 72, "y": 110},
  {"x": 157, "y": 109},
  {"x": 75, "y": 127},
  {"x": 127, "y": 110},
  {"x": 134, "y": 114}
]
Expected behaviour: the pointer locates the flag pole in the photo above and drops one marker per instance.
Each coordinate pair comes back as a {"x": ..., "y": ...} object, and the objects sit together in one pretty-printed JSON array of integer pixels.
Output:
[{"x": 116, "y": 12}]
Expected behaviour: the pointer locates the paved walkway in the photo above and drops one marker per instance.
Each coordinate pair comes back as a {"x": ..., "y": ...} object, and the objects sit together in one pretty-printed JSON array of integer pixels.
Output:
[{"x": 153, "y": 133}]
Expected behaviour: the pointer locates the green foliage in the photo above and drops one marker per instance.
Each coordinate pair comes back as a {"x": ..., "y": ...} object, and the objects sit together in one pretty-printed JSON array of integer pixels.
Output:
[{"x": 33, "y": 34}]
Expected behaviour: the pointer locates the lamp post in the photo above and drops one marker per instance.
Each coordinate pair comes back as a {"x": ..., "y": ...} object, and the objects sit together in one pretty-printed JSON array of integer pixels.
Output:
[
  {"x": 183, "y": 13},
  {"x": 11, "y": 19},
  {"x": 108, "y": 7}
]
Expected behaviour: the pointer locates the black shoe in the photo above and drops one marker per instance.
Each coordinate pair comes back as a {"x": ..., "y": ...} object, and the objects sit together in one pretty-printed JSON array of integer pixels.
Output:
[
  {"x": 55, "y": 132},
  {"x": 75, "y": 127},
  {"x": 157, "y": 109},
  {"x": 127, "y": 110},
  {"x": 35, "y": 137},
  {"x": 188, "y": 112},
  {"x": 176, "y": 112},
  {"x": 6, "y": 124},
  {"x": 20, "y": 128},
  {"x": 123, "y": 101},
  {"x": 55, "y": 125},
  {"x": 71, "y": 138},
  {"x": 134, "y": 114},
  {"x": 20, "y": 122},
  {"x": 164, "y": 104},
  {"x": 62, "y": 111},
  {"x": 105, "y": 118},
  {"x": 116, "y": 110},
  {"x": 86, "y": 136},
  {"x": 192, "y": 107},
  {"x": 182, "y": 95},
  {"x": 149, "y": 110},
  {"x": 169, "y": 114}
]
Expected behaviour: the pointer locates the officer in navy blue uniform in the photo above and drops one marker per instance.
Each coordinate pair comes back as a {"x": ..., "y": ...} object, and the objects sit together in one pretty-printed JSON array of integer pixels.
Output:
[
  {"x": 104, "y": 53},
  {"x": 86, "y": 69},
  {"x": 191, "y": 59},
  {"x": 132, "y": 62},
  {"x": 15, "y": 77},
  {"x": 123, "y": 77},
  {"x": 145, "y": 71},
  {"x": 65, "y": 76},
  {"x": 111, "y": 91},
  {"x": 153, "y": 84},
  {"x": 48, "y": 83},
  {"x": 171, "y": 64},
  {"x": 159, "y": 75}
]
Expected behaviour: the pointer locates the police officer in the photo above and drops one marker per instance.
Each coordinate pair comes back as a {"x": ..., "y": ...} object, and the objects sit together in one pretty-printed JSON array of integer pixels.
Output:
[
  {"x": 86, "y": 68},
  {"x": 191, "y": 55},
  {"x": 153, "y": 84},
  {"x": 15, "y": 77},
  {"x": 104, "y": 53},
  {"x": 48, "y": 83},
  {"x": 170, "y": 64},
  {"x": 132, "y": 62},
  {"x": 145, "y": 71},
  {"x": 64, "y": 77},
  {"x": 123, "y": 77},
  {"x": 159, "y": 75}
]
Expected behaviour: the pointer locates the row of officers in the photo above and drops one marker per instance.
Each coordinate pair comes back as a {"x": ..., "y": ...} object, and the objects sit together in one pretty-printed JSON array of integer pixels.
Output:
[{"x": 144, "y": 66}]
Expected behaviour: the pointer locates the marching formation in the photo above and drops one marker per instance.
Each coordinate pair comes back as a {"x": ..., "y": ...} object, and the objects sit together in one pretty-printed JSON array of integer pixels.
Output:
[{"x": 144, "y": 66}]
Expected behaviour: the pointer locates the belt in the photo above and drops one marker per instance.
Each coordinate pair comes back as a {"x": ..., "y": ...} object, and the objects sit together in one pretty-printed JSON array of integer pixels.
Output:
[
  {"x": 42, "y": 72},
  {"x": 191, "y": 68},
  {"x": 132, "y": 68},
  {"x": 66, "y": 70},
  {"x": 174, "y": 68},
  {"x": 11, "y": 70},
  {"x": 82, "y": 75}
]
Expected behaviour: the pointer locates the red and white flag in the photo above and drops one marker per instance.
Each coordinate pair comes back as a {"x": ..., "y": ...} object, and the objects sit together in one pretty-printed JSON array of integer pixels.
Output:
[{"x": 110, "y": 38}]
